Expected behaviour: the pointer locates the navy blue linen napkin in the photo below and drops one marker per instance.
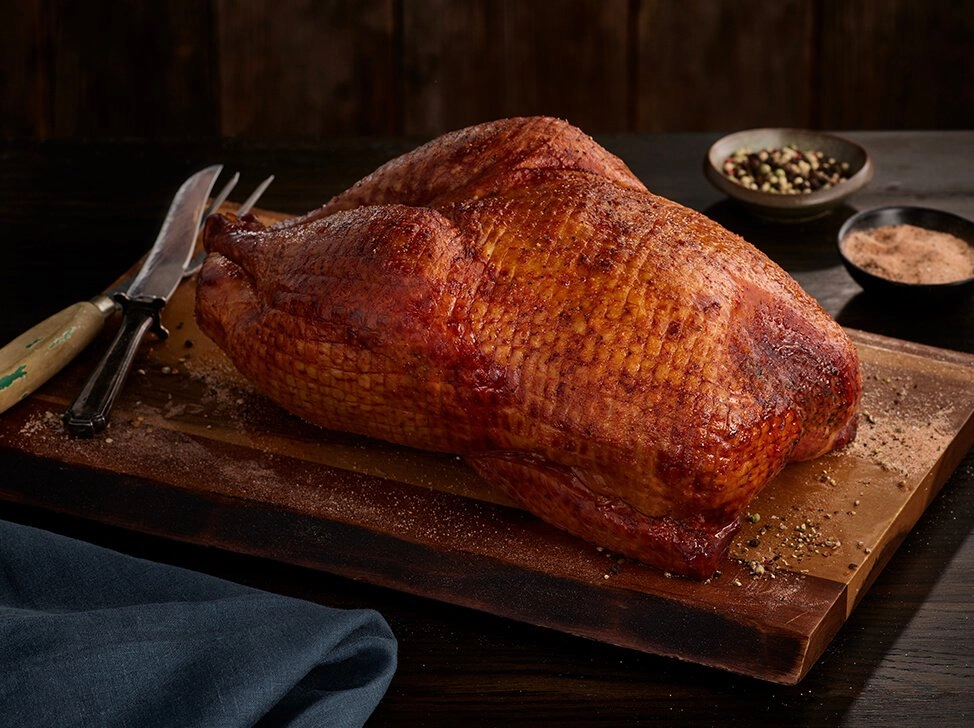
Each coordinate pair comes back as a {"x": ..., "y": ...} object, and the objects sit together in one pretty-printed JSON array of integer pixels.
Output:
[{"x": 91, "y": 637}]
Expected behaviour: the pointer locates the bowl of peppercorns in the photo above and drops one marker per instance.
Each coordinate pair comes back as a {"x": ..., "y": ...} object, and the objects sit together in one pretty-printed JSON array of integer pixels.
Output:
[{"x": 788, "y": 174}]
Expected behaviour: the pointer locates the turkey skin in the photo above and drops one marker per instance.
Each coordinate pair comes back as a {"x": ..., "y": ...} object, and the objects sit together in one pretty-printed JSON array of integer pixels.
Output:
[{"x": 620, "y": 365}]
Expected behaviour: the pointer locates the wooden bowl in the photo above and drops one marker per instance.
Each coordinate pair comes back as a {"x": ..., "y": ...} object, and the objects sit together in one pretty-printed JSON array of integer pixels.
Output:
[{"x": 789, "y": 206}]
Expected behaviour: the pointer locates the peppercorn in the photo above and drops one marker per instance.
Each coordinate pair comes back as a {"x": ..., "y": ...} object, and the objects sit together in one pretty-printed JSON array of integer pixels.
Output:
[{"x": 784, "y": 170}]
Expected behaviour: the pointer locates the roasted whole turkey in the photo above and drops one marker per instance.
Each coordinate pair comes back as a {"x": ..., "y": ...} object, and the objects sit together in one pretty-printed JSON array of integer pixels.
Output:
[{"x": 620, "y": 365}]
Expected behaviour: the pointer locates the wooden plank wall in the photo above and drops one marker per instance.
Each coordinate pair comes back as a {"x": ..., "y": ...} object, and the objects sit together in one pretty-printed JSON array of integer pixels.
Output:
[{"x": 299, "y": 69}]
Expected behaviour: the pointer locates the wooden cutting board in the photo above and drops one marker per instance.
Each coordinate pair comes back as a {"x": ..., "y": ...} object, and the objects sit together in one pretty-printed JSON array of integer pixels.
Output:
[{"x": 194, "y": 453}]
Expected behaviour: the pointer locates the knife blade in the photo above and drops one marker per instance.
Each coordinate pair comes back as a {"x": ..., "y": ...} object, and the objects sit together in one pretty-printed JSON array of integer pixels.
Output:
[{"x": 142, "y": 303}]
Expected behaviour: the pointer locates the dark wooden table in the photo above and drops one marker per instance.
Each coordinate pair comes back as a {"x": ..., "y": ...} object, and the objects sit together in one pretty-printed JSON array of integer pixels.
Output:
[{"x": 74, "y": 215}]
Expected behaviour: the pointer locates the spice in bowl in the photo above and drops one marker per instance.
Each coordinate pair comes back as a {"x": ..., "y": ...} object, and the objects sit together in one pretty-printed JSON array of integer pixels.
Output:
[
  {"x": 787, "y": 175},
  {"x": 910, "y": 254},
  {"x": 784, "y": 170}
]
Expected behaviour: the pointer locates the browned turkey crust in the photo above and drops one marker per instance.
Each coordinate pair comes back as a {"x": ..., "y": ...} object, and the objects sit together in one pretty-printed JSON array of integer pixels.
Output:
[{"x": 621, "y": 365}]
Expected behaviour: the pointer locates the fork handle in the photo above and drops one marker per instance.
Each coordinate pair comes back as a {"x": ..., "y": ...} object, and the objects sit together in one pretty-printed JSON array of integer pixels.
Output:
[{"x": 88, "y": 415}]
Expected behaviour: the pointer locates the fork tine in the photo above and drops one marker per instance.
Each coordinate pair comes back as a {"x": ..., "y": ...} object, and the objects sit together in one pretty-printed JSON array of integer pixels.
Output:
[
  {"x": 197, "y": 262},
  {"x": 221, "y": 198},
  {"x": 254, "y": 196}
]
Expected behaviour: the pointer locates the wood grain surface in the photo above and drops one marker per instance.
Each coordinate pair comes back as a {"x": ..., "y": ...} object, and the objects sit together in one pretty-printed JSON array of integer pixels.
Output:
[
  {"x": 298, "y": 69},
  {"x": 196, "y": 453}
]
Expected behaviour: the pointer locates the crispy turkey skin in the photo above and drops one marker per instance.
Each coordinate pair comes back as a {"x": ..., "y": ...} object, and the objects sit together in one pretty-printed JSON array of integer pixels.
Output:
[{"x": 622, "y": 366}]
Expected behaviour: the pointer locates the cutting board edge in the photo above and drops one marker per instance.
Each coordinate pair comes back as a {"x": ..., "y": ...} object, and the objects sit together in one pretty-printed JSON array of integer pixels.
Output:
[
  {"x": 904, "y": 346},
  {"x": 230, "y": 524}
]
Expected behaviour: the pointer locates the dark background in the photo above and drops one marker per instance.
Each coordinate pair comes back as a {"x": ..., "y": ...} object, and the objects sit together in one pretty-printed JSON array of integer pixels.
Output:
[{"x": 299, "y": 69}]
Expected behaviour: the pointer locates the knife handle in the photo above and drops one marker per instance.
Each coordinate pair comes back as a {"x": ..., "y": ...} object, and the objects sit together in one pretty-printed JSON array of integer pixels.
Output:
[
  {"x": 88, "y": 415},
  {"x": 39, "y": 353}
]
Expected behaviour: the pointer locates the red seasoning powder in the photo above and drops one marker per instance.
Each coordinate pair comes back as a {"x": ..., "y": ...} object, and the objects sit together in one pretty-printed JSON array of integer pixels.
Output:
[{"x": 911, "y": 254}]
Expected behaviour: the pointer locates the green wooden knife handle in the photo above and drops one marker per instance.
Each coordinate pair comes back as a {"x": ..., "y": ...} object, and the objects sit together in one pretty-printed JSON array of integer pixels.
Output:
[{"x": 38, "y": 354}]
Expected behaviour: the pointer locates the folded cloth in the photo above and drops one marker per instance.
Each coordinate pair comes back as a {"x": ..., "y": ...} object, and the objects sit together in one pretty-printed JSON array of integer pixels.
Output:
[{"x": 91, "y": 637}]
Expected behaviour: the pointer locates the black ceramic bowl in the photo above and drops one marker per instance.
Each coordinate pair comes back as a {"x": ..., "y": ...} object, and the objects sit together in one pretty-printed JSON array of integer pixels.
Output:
[
  {"x": 789, "y": 207},
  {"x": 920, "y": 217}
]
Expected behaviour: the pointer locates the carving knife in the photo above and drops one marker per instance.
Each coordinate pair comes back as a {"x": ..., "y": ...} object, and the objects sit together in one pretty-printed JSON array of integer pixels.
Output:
[{"x": 38, "y": 354}]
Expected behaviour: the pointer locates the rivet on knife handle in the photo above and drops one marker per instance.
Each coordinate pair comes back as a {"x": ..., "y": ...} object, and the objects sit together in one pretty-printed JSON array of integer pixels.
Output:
[
  {"x": 38, "y": 354},
  {"x": 88, "y": 415}
]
